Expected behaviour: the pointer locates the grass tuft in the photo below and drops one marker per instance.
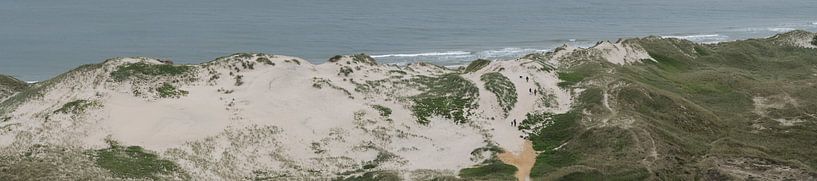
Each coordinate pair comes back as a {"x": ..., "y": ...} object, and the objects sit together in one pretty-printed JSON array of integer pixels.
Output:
[
  {"x": 76, "y": 107},
  {"x": 384, "y": 111},
  {"x": 133, "y": 162},
  {"x": 503, "y": 88},
  {"x": 476, "y": 65},
  {"x": 814, "y": 41},
  {"x": 569, "y": 79},
  {"x": 124, "y": 72},
  {"x": 169, "y": 91},
  {"x": 449, "y": 96},
  {"x": 492, "y": 169}
]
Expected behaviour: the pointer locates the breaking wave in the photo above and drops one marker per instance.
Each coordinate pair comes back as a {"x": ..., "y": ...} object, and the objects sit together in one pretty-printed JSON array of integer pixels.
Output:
[
  {"x": 705, "y": 38},
  {"x": 456, "y": 57},
  {"x": 449, "y": 53}
]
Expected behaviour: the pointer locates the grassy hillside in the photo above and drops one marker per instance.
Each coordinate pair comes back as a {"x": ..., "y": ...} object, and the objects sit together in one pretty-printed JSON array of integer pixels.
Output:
[
  {"x": 729, "y": 110},
  {"x": 737, "y": 110},
  {"x": 10, "y": 85}
]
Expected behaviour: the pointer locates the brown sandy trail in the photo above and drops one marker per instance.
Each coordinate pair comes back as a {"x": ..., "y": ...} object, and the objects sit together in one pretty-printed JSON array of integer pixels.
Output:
[{"x": 523, "y": 161}]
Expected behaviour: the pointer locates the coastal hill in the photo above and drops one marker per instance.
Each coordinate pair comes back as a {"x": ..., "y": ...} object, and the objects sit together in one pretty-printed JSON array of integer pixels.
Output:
[
  {"x": 10, "y": 85},
  {"x": 636, "y": 109}
]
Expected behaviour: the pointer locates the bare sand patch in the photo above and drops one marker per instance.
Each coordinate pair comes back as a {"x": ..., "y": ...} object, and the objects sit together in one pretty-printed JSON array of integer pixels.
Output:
[{"x": 523, "y": 161}]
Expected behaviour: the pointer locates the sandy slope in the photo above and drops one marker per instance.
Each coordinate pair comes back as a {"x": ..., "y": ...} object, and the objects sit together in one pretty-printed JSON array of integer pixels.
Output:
[
  {"x": 275, "y": 121},
  {"x": 287, "y": 117},
  {"x": 523, "y": 161}
]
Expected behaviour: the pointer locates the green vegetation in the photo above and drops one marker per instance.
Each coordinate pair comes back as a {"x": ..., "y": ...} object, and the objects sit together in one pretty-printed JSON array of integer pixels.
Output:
[
  {"x": 611, "y": 151},
  {"x": 591, "y": 175},
  {"x": 243, "y": 55},
  {"x": 492, "y": 169},
  {"x": 10, "y": 85},
  {"x": 265, "y": 60},
  {"x": 124, "y": 72},
  {"x": 134, "y": 162},
  {"x": 668, "y": 63},
  {"x": 239, "y": 80},
  {"x": 169, "y": 91},
  {"x": 557, "y": 129},
  {"x": 76, "y": 107},
  {"x": 296, "y": 61},
  {"x": 503, "y": 88},
  {"x": 345, "y": 71},
  {"x": 639, "y": 174},
  {"x": 814, "y": 41},
  {"x": 247, "y": 65},
  {"x": 10, "y": 82},
  {"x": 363, "y": 58},
  {"x": 335, "y": 58},
  {"x": 542, "y": 60},
  {"x": 37, "y": 90},
  {"x": 546, "y": 66},
  {"x": 374, "y": 176},
  {"x": 698, "y": 99},
  {"x": 687, "y": 113},
  {"x": 551, "y": 160},
  {"x": 397, "y": 72},
  {"x": 384, "y": 111},
  {"x": 321, "y": 82},
  {"x": 539, "y": 57},
  {"x": 49, "y": 162},
  {"x": 680, "y": 115},
  {"x": 476, "y": 65},
  {"x": 569, "y": 79},
  {"x": 449, "y": 96}
]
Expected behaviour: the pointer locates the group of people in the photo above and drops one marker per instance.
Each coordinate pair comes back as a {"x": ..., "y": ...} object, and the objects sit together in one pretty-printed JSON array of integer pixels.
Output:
[{"x": 530, "y": 90}]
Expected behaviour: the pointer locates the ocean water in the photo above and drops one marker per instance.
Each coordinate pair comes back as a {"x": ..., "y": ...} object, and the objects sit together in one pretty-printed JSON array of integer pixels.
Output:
[{"x": 42, "y": 38}]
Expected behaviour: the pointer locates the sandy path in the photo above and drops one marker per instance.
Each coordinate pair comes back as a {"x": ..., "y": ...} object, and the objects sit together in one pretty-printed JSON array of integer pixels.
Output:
[{"x": 523, "y": 161}]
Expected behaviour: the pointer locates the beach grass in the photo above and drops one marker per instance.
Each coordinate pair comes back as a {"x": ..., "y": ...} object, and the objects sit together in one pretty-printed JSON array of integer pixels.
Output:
[
  {"x": 133, "y": 162},
  {"x": 503, "y": 88},
  {"x": 476, "y": 65},
  {"x": 449, "y": 96},
  {"x": 75, "y": 107},
  {"x": 169, "y": 91},
  {"x": 124, "y": 72}
]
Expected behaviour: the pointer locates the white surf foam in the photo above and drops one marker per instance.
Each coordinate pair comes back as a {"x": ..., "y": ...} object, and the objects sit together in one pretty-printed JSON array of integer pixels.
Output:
[
  {"x": 506, "y": 52},
  {"x": 780, "y": 29},
  {"x": 700, "y": 38},
  {"x": 449, "y": 53},
  {"x": 456, "y": 57}
]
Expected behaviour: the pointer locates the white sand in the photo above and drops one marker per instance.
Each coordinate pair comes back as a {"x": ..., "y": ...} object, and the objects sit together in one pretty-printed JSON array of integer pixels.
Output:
[
  {"x": 277, "y": 121},
  {"x": 622, "y": 53}
]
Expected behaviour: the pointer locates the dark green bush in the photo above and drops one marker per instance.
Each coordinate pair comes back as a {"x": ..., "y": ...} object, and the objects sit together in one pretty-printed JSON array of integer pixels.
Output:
[
  {"x": 124, "y": 72},
  {"x": 476, "y": 65},
  {"x": 133, "y": 162},
  {"x": 449, "y": 96},
  {"x": 168, "y": 90}
]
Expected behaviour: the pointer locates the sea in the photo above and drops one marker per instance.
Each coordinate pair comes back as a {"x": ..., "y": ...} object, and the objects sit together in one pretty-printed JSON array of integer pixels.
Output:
[{"x": 43, "y": 38}]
